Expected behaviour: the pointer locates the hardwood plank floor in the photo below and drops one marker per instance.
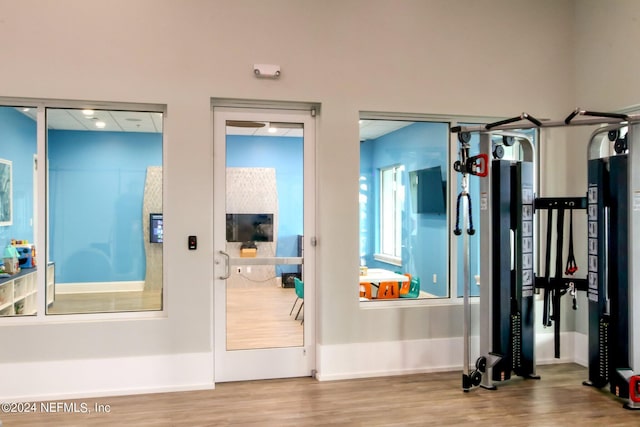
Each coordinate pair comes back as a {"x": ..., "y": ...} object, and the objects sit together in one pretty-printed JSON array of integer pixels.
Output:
[
  {"x": 258, "y": 317},
  {"x": 106, "y": 302},
  {"x": 257, "y": 313},
  {"x": 558, "y": 399}
]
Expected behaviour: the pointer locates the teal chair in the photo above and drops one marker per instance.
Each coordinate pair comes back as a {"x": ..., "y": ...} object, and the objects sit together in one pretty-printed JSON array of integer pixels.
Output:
[
  {"x": 414, "y": 289},
  {"x": 299, "y": 285}
]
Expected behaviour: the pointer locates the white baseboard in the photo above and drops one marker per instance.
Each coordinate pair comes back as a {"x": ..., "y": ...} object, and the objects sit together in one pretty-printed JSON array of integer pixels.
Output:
[
  {"x": 85, "y": 378},
  {"x": 99, "y": 287},
  {"x": 375, "y": 359}
]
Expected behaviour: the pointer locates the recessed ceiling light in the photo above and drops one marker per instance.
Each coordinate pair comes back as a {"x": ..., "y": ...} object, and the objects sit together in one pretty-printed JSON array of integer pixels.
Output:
[
  {"x": 100, "y": 125},
  {"x": 272, "y": 130},
  {"x": 26, "y": 109},
  {"x": 88, "y": 112}
]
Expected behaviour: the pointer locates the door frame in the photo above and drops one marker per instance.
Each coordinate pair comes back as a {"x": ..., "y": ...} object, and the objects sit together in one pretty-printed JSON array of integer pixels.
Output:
[{"x": 254, "y": 364}]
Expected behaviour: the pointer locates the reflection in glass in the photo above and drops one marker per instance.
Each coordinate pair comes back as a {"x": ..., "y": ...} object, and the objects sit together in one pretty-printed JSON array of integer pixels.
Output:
[
  {"x": 264, "y": 227},
  {"x": 19, "y": 267},
  {"x": 403, "y": 208},
  {"x": 104, "y": 188}
]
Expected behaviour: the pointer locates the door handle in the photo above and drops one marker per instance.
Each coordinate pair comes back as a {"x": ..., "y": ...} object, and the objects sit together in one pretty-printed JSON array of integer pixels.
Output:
[{"x": 227, "y": 270}]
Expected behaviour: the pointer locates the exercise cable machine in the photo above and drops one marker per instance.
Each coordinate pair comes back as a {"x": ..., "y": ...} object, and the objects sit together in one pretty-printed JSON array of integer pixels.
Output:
[
  {"x": 508, "y": 344},
  {"x": 468, "y": 165},
  {"x": 507, "y": 205}
]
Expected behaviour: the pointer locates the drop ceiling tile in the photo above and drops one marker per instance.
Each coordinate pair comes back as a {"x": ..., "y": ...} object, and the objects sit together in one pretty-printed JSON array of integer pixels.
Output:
[
  {"x": 62, "y": 119},
  {"x": 134, "y": 121}
]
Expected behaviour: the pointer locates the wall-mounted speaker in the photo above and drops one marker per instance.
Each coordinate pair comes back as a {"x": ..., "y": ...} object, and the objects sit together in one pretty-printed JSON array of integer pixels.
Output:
[{"x": 287, "y": 279}]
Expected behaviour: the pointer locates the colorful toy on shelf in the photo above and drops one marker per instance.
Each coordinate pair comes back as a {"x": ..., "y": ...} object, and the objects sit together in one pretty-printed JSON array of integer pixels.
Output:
[
  {"x": 10, "y": 257},
  {"x": 26, "y": 253}
]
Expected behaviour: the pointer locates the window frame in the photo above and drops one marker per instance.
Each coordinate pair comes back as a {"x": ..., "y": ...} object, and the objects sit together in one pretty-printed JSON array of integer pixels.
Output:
[
  {"x": 42, "y": 104},
  {"x": 452, "y": 181}
]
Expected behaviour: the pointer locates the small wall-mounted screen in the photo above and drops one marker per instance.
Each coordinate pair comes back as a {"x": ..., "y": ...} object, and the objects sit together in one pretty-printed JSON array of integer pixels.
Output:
[
  {"x": 155, "y": 228},
  {"x": 249, "y": 227}
]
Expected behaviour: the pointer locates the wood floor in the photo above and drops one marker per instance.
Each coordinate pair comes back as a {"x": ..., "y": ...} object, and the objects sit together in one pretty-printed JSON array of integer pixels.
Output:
[
  {"x": 106, "y": 302},
  {"x": 258, "y": 317},
  {"x": 257, "y": 313},
  {"x": 558, "y": 399}
]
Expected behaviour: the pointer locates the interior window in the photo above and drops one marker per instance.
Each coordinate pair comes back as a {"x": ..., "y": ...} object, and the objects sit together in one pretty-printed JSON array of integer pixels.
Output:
[
  {"x": 403, "y": 209},
  {"x": 105, "y": 227},
  {"x": 19, "y": 266}
]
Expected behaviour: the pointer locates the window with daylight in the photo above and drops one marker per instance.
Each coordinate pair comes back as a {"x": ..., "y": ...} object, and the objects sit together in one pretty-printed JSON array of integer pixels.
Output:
[
  {"x": 391, "y": 206},
  {"x": 404, "y": 243},
  {"x": 407, "y": 247}
]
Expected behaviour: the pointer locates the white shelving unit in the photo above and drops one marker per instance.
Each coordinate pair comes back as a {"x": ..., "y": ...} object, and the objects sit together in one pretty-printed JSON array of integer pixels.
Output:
[{"x": 18, "y": 294}]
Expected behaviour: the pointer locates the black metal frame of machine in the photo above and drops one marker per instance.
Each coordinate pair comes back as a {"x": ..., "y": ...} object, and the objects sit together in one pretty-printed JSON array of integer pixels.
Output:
[{"x": 507, "y": 207}]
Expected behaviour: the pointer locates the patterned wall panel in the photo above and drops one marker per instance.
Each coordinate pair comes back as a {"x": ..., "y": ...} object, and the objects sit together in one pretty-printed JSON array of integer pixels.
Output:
[
  {"x": 253, "y": 190},
  {"x": 152, "y": 203}
]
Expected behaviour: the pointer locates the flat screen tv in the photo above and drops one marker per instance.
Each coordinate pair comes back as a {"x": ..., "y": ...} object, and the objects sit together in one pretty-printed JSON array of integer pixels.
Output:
[
  {"x": 249, "y": 227},
  {"x": 155, "y": 228},
  {"x": 428, "y": 191}
]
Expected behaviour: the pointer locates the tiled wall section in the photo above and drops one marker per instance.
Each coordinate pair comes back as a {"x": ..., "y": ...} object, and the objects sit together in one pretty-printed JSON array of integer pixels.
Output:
[
  {"x": 152, "y": 203},
  {"x": 253, "y": 190}
]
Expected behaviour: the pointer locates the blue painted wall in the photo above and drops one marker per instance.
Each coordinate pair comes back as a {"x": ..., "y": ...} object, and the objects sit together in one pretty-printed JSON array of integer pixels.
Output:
[
  {"x": 285, "y": 155},
  {"x": 96, "y": 187},
  {"x": 424, "y": 236},
  {"x": 18, "y": 144},
  {"x": 96, "y": 182}
]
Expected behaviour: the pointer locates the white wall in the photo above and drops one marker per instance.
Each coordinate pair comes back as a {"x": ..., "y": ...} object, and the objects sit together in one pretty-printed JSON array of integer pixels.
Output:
[
  {"x": 606, "y": 72},
  {"x": 490, "y": 58},
  {"x": 607, "y": 57}
]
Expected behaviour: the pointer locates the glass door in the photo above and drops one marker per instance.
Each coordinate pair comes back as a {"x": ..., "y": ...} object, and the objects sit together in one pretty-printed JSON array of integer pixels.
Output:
[{"x": 263, "y": 223}]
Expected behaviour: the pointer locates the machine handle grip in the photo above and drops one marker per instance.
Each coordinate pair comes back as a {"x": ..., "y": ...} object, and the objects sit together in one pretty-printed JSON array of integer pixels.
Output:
[
  {"x": 478, "y": 165},
  {"x": 571, "y": 116},
  {"x": 523, "y": 116},
  {"x": 578, "y": 111},
  {"x": 532, "y": 119},
  {"x": 502, "y": 122},
  {"x": 607, "y": 115},
  {"x": 634, "y": 389}
]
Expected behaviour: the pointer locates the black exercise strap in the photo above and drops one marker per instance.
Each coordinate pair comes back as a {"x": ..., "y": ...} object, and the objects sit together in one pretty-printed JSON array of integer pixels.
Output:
[
  {"x": 556, "y": 293},
  {"x": 557, "y": 285},
  {"x": 572, "y": 266},
  {"x": 546, "y": 321}
]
